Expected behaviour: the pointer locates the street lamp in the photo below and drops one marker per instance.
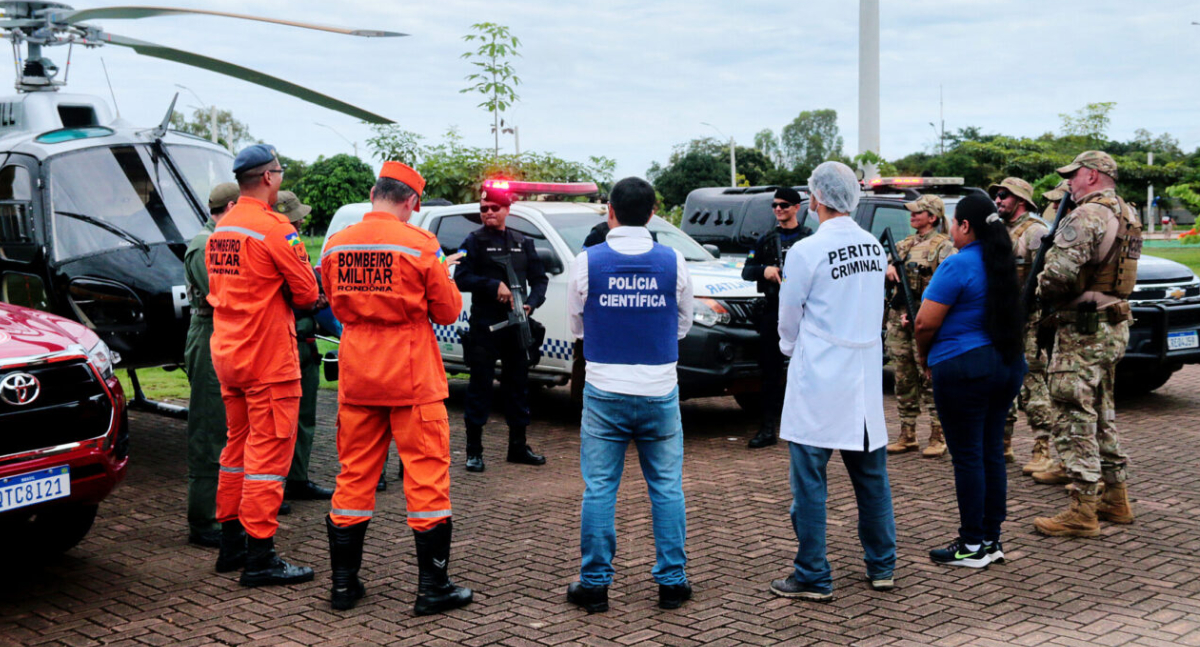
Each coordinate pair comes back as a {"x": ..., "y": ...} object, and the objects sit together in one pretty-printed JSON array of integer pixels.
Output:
[
  {"x": 212, "y": 113},
  {"x": 354, "y": 144},
  {"x": 732, "y": 154}
]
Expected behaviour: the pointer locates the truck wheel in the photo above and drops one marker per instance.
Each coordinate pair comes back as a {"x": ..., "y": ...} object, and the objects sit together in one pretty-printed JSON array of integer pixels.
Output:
[
  {"x": 58, "y": 529},
  {"x": 749, "y": 402},
  {"x": 1143, "y": 382}
]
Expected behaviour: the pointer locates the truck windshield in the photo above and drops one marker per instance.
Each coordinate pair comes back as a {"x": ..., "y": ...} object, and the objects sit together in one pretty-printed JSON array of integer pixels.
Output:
[
  {"x": 124, "y": 187},
  {"x": 574, "y": 229}
]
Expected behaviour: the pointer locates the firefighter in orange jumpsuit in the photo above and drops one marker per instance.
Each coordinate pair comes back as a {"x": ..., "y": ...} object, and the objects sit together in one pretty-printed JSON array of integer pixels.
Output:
[
  {"x": 386, "y": 280},
  {"x": 256, "y": 264}
]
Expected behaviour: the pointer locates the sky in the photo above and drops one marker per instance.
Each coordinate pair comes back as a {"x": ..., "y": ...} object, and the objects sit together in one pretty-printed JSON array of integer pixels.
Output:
[{"x": 630, "y": 80}]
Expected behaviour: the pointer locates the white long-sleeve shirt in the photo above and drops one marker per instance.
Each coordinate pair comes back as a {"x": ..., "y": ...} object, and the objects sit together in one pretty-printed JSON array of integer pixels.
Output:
[
  {"x": 830, "y": 307},
  {"x": 631, "y": 379}
]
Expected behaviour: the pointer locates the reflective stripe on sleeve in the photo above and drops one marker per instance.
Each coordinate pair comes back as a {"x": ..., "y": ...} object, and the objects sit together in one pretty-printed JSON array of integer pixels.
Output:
[
  {"x": 372, "y": 248},
  {"x": 265, "y": 477},
  {"x": 432, "y": 514},
  {"x": 233, "y": 470},
  {"x": 353, "y": 513},
  {"x": 241, "y": 230}
]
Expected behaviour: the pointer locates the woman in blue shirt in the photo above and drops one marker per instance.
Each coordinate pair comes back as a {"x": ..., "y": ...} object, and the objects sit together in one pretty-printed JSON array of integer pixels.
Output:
[{"x": 970, "y": 333}]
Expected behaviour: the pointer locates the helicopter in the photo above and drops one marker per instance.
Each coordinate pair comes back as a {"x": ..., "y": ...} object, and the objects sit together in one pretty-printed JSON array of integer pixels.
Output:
[{"x": 95, "y": 212}]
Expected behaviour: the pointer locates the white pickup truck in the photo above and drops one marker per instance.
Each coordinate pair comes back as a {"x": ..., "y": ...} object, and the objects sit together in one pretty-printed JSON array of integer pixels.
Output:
[{"x": 718, "y": 357}]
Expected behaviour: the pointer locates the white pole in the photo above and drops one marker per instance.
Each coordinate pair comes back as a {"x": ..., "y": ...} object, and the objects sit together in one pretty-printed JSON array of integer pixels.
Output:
[
  {"x": 732, "y": 163},
  {"x": 517, "y": 139},
  {"x": 212, "y": 119},
  {"x": 868, "y": 82},
  {"x": 1150, "y": 197}
]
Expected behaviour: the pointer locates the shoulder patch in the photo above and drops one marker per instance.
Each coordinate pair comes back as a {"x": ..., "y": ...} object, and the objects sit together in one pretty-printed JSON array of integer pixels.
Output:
[
  {"x": 293, "y": 239},
  {"x": 1069, "y": 234}
]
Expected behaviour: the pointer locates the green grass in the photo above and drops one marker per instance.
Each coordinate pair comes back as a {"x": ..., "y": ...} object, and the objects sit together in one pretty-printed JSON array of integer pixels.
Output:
[
  {"x": 158, "y": 383},
  {"x": 1188, "y": 255}
]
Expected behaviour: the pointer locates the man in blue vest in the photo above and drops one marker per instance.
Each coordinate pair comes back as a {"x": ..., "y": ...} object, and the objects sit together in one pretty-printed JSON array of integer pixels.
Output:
[{"x": 630, "y": 301}]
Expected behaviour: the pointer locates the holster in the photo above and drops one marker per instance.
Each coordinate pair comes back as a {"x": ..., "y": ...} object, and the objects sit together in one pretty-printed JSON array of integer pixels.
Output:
[{"x": 538, "y": 332}]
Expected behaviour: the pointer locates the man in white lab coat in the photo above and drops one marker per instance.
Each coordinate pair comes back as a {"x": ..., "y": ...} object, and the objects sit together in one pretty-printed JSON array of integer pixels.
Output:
[{"x": 830, "y": 306}]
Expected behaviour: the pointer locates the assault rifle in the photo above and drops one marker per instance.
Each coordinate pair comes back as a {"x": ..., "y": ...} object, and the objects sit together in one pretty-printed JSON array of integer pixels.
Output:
[
  {"x": 1029, "y": 291},
  {"x": 889, "y": 246},
  {"x": 517, "y": 316}
]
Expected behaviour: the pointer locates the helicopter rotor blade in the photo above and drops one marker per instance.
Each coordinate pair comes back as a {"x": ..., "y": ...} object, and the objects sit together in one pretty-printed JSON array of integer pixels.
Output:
[
  {"x": 122, "y": 13},
  {"x": 243, "y": 73}
]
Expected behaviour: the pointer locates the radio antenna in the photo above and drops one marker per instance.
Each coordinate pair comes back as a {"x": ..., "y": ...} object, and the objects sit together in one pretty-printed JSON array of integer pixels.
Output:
[{"x": 110, "y": 89}]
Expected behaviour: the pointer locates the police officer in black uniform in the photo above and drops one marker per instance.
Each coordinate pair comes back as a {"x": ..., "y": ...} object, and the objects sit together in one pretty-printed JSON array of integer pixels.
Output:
[
  {"x": 481, "y": 272},
  {"x": 764, "y": 265}
]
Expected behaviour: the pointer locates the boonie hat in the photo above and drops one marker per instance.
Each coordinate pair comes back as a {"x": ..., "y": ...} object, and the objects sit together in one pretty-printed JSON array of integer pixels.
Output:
[
  {"x": 1098, "y": 160},
  {"x": 1057, "y": 193},
  {"x": 252, "y": 156},
  {"x": 402, "y": 172},
  {"x": 1015, "y": 186},
  {"x": 930, "y": 203},
  {"x": 289, "y": 205},
  {"x": 223, "y": 194}
]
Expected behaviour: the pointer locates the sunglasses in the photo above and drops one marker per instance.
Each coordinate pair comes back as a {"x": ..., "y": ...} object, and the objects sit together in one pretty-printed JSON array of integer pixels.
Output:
[
  {"x": 495, "y": 208},
  {"x": 1003, "y": 195},
  {"x": 782, "y": 205}
]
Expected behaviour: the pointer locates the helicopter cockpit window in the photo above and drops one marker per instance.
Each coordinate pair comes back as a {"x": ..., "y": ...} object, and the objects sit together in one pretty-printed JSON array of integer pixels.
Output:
[
  {"x": 16, "y": 195},
  {"x": 203, "y": 168},
  {"x": 114, "y": 197}
]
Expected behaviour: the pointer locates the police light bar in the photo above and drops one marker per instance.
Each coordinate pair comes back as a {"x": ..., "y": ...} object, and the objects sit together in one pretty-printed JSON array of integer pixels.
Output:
[
  {"x": 915, "y": 181},
  {"x": 542, "y": 188}
]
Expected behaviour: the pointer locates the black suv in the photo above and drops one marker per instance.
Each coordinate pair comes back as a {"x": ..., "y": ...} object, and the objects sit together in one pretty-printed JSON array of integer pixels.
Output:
[{"x": 1166, "y": 302}]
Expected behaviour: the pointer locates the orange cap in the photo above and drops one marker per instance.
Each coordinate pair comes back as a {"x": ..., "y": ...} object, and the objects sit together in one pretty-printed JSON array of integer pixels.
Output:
[{"x": 404, "y": 173}]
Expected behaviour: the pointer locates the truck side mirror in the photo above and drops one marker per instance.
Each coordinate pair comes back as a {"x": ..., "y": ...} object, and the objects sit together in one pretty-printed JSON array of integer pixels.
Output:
[
  {"x": 712, "y": 249},
  {"x": 551, "y": 262}
]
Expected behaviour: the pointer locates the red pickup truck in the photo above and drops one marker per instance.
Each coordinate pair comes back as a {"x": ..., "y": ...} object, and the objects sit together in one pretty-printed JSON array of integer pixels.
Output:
[{"x": 64, "y": 430}]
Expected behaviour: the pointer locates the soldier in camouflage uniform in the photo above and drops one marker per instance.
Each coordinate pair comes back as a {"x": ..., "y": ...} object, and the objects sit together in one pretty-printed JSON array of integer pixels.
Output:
[
  {"x": 921, "y": 254},
  {"x": 206, "y": 433},
  {"x": 1088, "y": 276},
  {"x": 1053, "y": 197},
  {"x": 1014, "y": 201}
]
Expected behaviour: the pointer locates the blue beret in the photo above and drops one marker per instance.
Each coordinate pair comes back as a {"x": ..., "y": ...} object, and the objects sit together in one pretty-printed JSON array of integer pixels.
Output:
[{"x": 252, "y": 156}]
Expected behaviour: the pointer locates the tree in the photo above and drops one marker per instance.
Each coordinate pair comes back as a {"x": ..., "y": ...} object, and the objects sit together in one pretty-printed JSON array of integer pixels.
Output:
[
  {"x": 391, "y": 142},
  {"x": 691, "y": 170},
  {"x": 294, "y": 171},
  {"x": 767, "y": 143},
  {"x": 1089, "y": 122},
  {"x": 810, "y": 139},
  {"x": 231, "y": 133},
  {"x": 331, "y": 183},
  {"x": 495, "y": 79}
]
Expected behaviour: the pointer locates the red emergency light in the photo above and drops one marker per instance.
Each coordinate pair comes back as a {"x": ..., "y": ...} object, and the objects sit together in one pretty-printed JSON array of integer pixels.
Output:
[
  {"x": 542, "y": 188},
  {"x": 915, "y": 181}
]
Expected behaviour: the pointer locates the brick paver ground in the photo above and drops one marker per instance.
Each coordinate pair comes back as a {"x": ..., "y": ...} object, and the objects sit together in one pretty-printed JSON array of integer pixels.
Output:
[{"x": 135, "y": 581}]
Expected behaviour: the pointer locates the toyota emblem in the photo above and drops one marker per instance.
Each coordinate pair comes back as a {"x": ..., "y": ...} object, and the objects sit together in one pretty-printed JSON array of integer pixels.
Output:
[{"x": 19, "y": 389}]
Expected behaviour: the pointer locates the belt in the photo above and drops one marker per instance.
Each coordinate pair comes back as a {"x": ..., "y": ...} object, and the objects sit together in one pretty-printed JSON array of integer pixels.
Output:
[{"x": 1115, "y": 313}]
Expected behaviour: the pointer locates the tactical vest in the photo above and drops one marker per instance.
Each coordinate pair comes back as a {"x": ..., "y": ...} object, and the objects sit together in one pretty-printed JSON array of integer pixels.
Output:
[
  {"x": 1023, "y": 264},
  {"x": 1116, "y": 273},
  {"x": 920, "y": 259},
  {"x": 631, "y": 315}
]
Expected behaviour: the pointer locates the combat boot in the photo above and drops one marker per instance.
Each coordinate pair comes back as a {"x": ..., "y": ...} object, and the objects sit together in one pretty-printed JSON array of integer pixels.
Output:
[
  {"x": 1079, "y": 520},
  {"x": 907, "y": 442},
  {"x": 1009, "y": 456},
  {"x": 1055, "y": 476},
  {"x": 345, "y": 558},
  {"x": 937, "y": 442},
  {"x": 767, "y": 433},
  {"x": 474, "y": 448},
  {"x": 232, "y": 556},
  {"x": 264, "y": 567},
  {"x": 1040, "y": 460},
  {"x": 1114, "y": 504},
  {"x": 435, "y": 592}
]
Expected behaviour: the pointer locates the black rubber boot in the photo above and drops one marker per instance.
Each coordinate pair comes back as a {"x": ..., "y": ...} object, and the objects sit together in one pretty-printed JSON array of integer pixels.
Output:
[
  {"x": 264, "y": 567},
  {"x": 435, "y": 592},
  {"x": 345, "y": 558},
  {"x": 474, "y": 448},
  {"x": 233, "y": 547},
  {"x": 518, "y": 451},
  {"x": 767, "y": 433}
]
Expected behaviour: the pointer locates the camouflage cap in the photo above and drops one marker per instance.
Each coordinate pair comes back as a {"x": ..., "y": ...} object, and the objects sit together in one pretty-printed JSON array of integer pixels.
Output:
[
  {"x": 930, "y": 203},
  {"x": 289, "y": 205},
  {"x": 1098, "y": 160},
  {"x": 223, "y": 194},
  {"x": 1015, "y": 186},
  {"x": 1058, "y": 192}
]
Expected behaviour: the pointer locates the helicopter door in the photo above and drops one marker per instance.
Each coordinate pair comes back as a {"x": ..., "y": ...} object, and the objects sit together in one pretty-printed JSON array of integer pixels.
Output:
[{"x": 18, "y": 236}]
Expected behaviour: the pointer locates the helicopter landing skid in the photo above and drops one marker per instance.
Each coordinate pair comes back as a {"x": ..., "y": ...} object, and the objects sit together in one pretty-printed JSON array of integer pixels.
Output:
[{"x": 141, "y": 403}]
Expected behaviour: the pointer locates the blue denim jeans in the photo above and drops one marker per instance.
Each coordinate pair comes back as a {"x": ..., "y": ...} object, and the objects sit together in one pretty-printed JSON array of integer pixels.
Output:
[
  {"x": 610, "y": 422},
  {"x": 973, "y": 392},
  {"x": 876, "y": 525}
]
